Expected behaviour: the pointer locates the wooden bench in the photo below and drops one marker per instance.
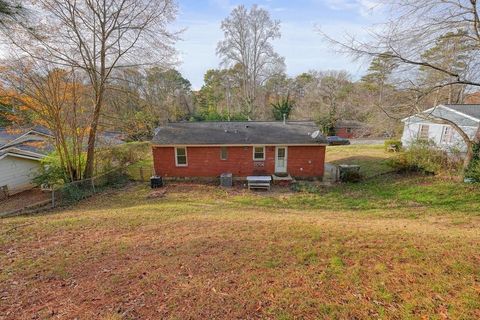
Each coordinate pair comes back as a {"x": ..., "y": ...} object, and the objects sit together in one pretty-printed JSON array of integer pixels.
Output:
[{"x": 259, "y": 182}]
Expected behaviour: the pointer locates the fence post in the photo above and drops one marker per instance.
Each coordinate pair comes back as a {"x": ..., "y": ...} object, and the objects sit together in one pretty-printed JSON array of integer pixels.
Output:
[
  {"x": 141, "y": 174},
  {"x": 93, "y": 185},
  {"x": 53, "y": 197}
]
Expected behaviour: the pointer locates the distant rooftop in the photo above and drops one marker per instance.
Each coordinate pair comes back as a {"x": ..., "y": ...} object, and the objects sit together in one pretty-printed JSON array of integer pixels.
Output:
[
  {"x": 472, "y": 110},
  {"x": 461, "y": 114},
  {"x": 239, "y": 133}
]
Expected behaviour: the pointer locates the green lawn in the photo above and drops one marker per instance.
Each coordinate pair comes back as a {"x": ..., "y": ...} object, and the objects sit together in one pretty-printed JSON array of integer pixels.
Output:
[
  {"x": 372, "y": 159},
  {"x": 402, "y": 195},
  {"x": 401, "y": 247}
]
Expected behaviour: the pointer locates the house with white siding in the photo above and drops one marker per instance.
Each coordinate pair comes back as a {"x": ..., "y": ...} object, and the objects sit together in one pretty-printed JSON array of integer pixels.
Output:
[
  {"x": 20, "y": 154},
  {"x": 424, "y": 127}
]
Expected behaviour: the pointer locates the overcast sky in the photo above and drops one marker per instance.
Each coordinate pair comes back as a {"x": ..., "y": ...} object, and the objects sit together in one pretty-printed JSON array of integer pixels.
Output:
[{"x": 300, "y": 44}]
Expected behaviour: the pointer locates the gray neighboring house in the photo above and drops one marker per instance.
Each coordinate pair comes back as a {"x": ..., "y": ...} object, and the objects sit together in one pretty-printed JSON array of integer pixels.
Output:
[
  {"x": 22, "y": 150},
  {"x": 466, "y": 116}
]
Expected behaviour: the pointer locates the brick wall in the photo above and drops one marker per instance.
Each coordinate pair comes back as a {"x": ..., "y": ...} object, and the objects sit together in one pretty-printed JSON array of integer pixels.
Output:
[
  {"x": 306, "y": 161},
  {"x": 303, "y": 161},
  {"x": 342, "y": 132}
]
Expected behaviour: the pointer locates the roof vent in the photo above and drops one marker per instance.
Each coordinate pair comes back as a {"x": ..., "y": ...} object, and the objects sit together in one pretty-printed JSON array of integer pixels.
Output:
[{"x": 247, "y": 126}]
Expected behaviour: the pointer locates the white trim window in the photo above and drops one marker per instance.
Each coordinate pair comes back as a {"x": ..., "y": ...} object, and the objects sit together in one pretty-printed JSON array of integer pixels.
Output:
[
  {"x": 181, "y": 156},
  {"x": 423, "y": 132},
  {"x": 259, "y": 153},
  {"x": 447, "y": 134}
]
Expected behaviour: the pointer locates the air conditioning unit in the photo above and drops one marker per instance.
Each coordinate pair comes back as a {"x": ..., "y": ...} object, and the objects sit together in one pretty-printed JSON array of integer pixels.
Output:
[
  {"x": 226, "y": 179},
  {"x": 156, "y": 182}
]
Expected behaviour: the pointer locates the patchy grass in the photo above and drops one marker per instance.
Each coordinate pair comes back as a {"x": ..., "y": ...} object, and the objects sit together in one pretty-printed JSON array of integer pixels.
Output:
[
  {"x": 401, "y": 195},
  {"x": 401, "y": 247},
  {"x": 372, "y": 159}
]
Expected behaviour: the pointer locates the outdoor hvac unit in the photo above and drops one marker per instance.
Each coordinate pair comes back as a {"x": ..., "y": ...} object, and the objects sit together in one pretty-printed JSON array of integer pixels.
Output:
[
  {"x": 156, "y": 182},
  {"x": 226, "y": 179}
]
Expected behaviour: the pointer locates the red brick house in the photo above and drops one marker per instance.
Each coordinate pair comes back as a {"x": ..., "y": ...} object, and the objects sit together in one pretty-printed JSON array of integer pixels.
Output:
[
  {"x": 208, "y": 149},
  {"x": 349, "y": 129}
]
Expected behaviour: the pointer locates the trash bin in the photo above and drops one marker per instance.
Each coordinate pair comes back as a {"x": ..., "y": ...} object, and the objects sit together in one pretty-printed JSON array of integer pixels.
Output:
[
  {"x": 226, "y": 179},
  {"x": 156, "y": 182}
]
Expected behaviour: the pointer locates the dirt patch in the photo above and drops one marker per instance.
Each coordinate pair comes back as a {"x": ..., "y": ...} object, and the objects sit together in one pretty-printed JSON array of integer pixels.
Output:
[{"x": 23, "y": 199}]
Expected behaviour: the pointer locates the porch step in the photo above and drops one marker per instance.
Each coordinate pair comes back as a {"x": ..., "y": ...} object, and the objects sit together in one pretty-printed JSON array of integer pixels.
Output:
[
  {"x": 282, "y": 181},
  {"x": 278, "y": 178}
]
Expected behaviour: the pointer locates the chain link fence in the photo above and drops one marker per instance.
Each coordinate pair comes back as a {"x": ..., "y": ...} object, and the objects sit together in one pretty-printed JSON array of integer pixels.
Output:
[
  {"x": 114, "y": 179},
  {"x": 73, "y": 192}
]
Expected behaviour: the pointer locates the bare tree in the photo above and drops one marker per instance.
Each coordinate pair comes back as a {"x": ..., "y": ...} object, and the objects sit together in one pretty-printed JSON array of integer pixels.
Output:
[
  {"x": 9, "y": 11},
  {"x": 97, "y": 37},
  {"x": 248, "y": 43},
  {"x": 415, "y": 27},
  {"x": 55, "y": 99}
]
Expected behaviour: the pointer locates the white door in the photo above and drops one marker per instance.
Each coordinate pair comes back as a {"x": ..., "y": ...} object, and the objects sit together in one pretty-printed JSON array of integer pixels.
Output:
[{"x": 281, "y": 159}]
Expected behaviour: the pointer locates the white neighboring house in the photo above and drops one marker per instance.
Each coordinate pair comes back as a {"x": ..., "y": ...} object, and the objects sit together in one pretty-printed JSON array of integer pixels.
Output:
[
  {"x": 466, "y": 116},
  {"x": 20, "y": 155}
]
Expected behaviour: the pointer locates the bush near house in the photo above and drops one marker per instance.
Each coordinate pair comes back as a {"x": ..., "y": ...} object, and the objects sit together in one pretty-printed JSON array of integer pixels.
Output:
[
  {"x": 424, "y": 157},
  {"x": 473, "y": 171},
  {"x": 393, "y": 145}
]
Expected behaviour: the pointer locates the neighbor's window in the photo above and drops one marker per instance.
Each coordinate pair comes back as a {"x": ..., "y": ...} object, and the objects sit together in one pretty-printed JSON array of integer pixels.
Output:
[
  {"x": 258, "y": 153},
  {"x": 181, "y": 156},
  {"x": 447, "y": 134},
  {"x": 223, "y": 153},
  {"x": 349, "y": 130},
  {"x": 423, "y": 132}
]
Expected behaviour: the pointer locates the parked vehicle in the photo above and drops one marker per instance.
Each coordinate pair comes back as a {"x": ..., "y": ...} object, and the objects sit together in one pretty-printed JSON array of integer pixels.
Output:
[{"x": 337, "y": 141}]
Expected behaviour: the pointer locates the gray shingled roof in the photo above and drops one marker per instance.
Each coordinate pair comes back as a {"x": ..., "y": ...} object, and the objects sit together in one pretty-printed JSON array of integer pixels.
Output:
[
  {"x": 238, "y": 133},
  {"x": 472, "y": 110},
  {"x": 7, "y": 136},
  {"x": 457, "y": 118}
]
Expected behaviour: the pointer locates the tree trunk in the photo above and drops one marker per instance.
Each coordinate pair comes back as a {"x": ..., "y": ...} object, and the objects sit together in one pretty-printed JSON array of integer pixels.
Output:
[
  {"x": 469, "y": 155},
  {"x": 90, "y": 162}
]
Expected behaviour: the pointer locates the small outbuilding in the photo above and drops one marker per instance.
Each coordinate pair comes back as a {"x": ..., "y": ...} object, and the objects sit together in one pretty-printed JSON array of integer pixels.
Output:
[
  {"x": 208, "y": 149},
  {"x": 350, "y": 129}
]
